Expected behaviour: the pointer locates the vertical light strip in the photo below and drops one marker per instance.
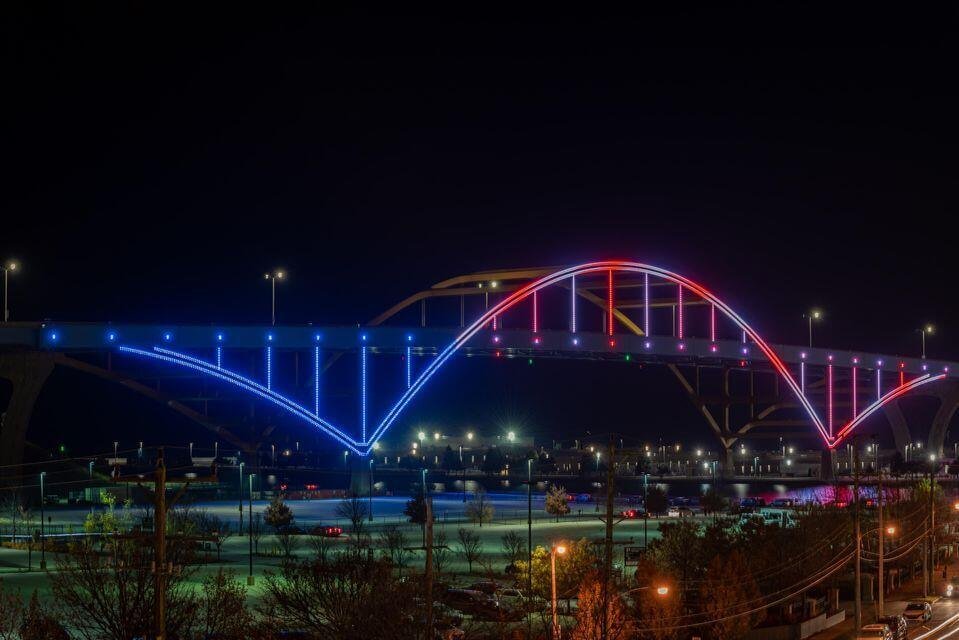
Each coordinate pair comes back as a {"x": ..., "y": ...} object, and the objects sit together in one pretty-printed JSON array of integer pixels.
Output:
[
  {"x": 744, "y": 336},
  {"x": 712, "y": 323},
  {"x": 269, "y": 368},
  {"x": 572, "y": 304},
  {"x": 363, "y": 391},
  {"x": 855, "y": 388},
  {"x": 316, "y": 381},
  {"x": 409, "y": 366},
  {"x": 878, "y": 384},
  {"x": 609, "y": 302},
  {"x": 679, "y": 302},
  {"x": 802, "y": 377},
  {"x": 829, "y": 398},
  {"x": 494, "y": 323},
  {"x": 219, "y": 357},
  {"x": 902, "y": 376},
  {"x": 535, "y": 313},
  {"x": 646, "y": 303}
]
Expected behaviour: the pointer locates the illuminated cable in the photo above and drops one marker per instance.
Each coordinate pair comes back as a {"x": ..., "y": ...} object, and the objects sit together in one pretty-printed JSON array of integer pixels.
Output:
[
  {"x": 572, "y": 304},
  {"x": 609, "y": 300},
  {"x": 316, "y": 381},
  {"x": 363, "y": 391},
  {"x": 269, "y": 368}
]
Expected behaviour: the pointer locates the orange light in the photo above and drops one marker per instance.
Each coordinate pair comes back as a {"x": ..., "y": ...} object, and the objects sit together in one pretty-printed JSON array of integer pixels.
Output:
[
  {"x": 560, "y": 549},
  {"x": 955, "y": 505},
  {"x": 662, "y": 591},
  {"x": 891, "y": 530}
]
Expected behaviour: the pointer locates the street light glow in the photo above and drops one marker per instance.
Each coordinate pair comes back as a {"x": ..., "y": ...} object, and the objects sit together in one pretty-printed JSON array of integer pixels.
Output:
[
  {"x": 560, "y": 549},
  {"x": 421, "y": 435},
  {"x": 890, "y": 530},
  {"x": 511, "y": 436},
  {"x": 662, "y": 590},
  {"x": 469, "y": 435}
]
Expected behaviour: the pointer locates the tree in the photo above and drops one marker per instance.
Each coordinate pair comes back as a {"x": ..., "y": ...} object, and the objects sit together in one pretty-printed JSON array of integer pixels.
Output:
[
  {"x": 556, "y": 502},
  {"x": 658, "y": 613},
  {"x": 514, "y": 546},
  {"x": 571, "y": 569},
  {"x": 111, "y": 595},
  {"x": 256, "y": 531},
  {"x": 38, "y": 624},
  {"x": 278, "y": 514},
  {"x": 320, "y": 543},
  {"x": 346, "y": 597},
  {"x": 479, "y": 509},
  {"x": 712, "y": 502},
  {"x": 470, "y": 545},
  {"x": 393, "y": 541},
  {"x": 589, "y": 615},
  {"x": 221, "y": 609},
  {"x": 656, "y": 502},
  {"x": 356, "y": 511},
  {"x": 728, "y": 590},
  {"x": 416, "y": 508},
  {"x": 441, "y": 552},
  {"x": 11, "y": 614}
]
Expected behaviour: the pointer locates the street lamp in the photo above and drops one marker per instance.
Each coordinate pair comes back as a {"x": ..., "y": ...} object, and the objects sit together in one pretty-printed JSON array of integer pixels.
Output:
[
  {"x": 278, "y": 274},
  {"x": 816, "y": 315},
  {"x": 43, "y": 546},
  {"x": 241, "y": 498},
  {"x": 511, "y": 436},
  {"x": 469, "y": 435},
  {"x": 557, "y": 550},
  {"x": 249, "y": 578},
  {"x": 10, "y": 266},
  {"x": 926, "y": 330},
  {"x": 371, "y": 489}
]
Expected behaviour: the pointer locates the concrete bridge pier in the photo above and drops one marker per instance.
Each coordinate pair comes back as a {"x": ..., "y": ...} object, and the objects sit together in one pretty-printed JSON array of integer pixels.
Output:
[
  {"x": 360, "y": 476},
  {"x": 27, "y": 372},
  {"x": 728, "y": 463},
  {"x": 827, "y": 466}
]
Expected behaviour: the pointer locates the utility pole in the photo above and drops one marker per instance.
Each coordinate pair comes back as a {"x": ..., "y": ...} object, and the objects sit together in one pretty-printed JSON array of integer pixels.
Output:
[
  {"x": 608, "y": 557},
  {"x": 429, "y": 568},
  {"x": 880, "y": 603},
  {"x": 161, "y": 508},
  {"x": 932, "y": 521},
  {"x": 855, "y": 475},
  {"x": 529, "y": 544}
]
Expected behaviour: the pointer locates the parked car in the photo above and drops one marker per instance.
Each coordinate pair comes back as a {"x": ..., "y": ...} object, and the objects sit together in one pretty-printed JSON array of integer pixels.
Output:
[
  {"x": 952, "y": 588},
  {"x": 874, "y": 632},
  {"x": 327, "y": 531},
  {"x": 633, "y": 514},
  {"x": 488, "y": 587},
  {"x": 897, "y": 625},
  {"x": 783, "y": 503},
  {"x": 679, "y": 512},
  {"x": 467, "y": 600},
  {"x": 918, "y": 611}
]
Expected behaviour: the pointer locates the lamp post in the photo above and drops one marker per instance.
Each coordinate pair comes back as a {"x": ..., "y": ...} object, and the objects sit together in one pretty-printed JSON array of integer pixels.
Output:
[
  {"x": 371, "y": 489},
  {"x": 926, "y": 330},
  {"x": 43, "y": 546},
  {"x": 249, "y": 578},
  {"x": 7, "y": 268},
  {"x": 814, "y": 314},
  {"x": 556, "y": 550},
  {"x": 241, "y": 498},
  {"x": 277, "y": 274}
]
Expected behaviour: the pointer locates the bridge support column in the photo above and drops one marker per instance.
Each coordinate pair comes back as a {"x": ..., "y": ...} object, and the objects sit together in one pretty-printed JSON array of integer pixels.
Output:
[
  {"x": 728, "y": 463},
  {"x": 827, "y": 466},
  {"x": 900, "y": 429},
  {"x": 27, "y": 372},
  {"x": 949, "y": 402},
  {"x": 360, "y": 477}
]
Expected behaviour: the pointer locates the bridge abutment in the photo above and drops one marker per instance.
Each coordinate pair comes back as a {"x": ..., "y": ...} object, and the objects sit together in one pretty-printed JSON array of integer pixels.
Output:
[{"x": 27, "y": 372}]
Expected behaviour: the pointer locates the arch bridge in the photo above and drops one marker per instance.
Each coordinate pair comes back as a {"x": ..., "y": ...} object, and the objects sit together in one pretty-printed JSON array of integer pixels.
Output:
[{"x": 612, "y": 310}]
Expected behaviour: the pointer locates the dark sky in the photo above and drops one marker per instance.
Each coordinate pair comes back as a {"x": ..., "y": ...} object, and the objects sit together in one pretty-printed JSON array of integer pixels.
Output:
[{"x": 157, "y": 162}]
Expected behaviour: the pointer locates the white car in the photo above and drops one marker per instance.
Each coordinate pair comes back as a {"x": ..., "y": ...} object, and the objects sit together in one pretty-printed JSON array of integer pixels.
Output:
[
  {"x": 918, "y": 611},
  {"x": 875, "y": 632}
]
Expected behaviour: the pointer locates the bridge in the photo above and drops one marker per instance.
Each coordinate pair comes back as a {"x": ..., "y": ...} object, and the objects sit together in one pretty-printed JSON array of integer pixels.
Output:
[{"x": 604, "y": 311}]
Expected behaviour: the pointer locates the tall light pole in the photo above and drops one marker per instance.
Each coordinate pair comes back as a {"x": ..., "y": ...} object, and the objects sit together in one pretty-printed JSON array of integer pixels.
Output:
[
  {"x": 249, "y": 578},
  {"x": 880, "y": 603},
  {"x": 43, "y": 546},
  {"x": 8, "y": 267},
  {"x": 278, "y": 274},
  {"x": 814, "y": 314},
  {"x": 371, "y": 489},
  {"x": 556, "y": 550},
  {"x": 926, "y": 330},
  {"x": 241, "y": 498}
]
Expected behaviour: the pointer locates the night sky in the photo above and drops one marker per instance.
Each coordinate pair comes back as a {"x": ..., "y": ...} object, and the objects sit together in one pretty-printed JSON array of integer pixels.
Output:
[{"x": 157, "y": 162}]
